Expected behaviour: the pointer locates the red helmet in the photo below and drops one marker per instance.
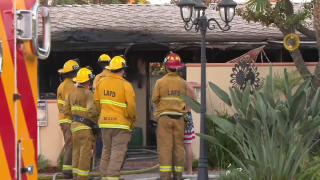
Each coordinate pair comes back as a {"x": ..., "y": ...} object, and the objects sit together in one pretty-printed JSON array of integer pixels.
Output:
[{"x": 173, "y": 61}]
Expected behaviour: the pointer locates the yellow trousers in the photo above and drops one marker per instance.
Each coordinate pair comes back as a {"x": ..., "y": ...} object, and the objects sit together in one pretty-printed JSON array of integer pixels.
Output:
[
  {"x": 170, "y": 134},
  {"x": 83, "y": 141},
  {"x": 115, "y": 145},
  {"x": 67, "y": 157}
]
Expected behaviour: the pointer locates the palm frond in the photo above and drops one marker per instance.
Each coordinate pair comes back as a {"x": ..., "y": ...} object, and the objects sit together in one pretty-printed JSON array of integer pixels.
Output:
[{"x": 257, "y": 6}]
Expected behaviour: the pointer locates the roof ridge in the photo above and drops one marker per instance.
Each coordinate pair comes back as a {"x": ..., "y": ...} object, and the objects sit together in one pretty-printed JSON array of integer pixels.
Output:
[
  {"x": 87, "y": 5},
  {"x": 243, "y": 3}
]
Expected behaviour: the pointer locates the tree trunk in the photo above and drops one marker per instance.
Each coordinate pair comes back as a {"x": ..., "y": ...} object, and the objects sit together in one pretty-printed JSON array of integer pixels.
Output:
[
  {"x": 316, "y": 23},
  {"x": 296, "y": 55},
  {"x": 304, "y": 71},
  {"x": 297, "y": 58},
  {"x": 300, "y": 63}
]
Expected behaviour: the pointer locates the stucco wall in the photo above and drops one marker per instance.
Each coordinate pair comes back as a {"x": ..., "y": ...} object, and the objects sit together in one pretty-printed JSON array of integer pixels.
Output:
[
  {"x": 51, "y": 140},
  {"x": 219, "y": 73}
]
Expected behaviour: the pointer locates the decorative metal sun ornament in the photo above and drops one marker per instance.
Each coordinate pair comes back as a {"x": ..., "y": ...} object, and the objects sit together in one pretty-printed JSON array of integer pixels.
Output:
[{"x": 242, "y": 72}]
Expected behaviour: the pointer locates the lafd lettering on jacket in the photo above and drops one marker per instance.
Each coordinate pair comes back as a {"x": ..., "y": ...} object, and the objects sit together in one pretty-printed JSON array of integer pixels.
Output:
[
  {"x": 109, "y": 93},
  {"x": 80, "y": 102},
  {"x": 173, "y": 93},
  {"x": 167, "y": 95},
  {"x": 115, "y": 100}
]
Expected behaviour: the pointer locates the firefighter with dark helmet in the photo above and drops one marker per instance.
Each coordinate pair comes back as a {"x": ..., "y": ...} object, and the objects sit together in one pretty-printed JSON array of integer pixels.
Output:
[
  {"x": 170, "y": 113},
  {"x": 68, "y": 72},
  {"x": 115, "y": 100},
  {"x": 80, "y": 105},
  {"x": 103, "y": 61}
]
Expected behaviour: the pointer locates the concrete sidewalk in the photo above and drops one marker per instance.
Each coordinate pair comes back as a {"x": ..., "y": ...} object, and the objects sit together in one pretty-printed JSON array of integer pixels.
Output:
[{"x": 152, "y": 176}]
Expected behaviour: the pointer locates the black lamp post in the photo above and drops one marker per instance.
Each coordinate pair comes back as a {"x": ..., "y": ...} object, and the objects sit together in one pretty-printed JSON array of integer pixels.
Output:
[{"x": 227, "y": 12}]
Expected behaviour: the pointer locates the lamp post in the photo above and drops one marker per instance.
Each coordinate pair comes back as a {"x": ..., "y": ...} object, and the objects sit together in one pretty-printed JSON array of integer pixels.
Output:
[{"x": 200, "y": 22}]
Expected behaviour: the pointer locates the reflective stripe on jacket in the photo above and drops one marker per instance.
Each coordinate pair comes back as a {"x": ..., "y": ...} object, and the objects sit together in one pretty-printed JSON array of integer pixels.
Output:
[
  {"x": 80, "y": 102},
  {"x": 103, "y": 74},
  {"x": 64, "y": 90},
  {"x": 167, "y": 95},
  {"x": 115, "y": 100}
]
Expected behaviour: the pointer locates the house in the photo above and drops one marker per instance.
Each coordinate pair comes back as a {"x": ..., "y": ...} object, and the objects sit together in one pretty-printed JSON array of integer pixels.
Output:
[{"x": 145, "y": 33}]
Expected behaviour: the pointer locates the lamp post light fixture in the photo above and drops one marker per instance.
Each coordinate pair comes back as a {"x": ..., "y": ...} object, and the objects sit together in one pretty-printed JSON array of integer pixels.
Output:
[{"x": 200, "y": 22}]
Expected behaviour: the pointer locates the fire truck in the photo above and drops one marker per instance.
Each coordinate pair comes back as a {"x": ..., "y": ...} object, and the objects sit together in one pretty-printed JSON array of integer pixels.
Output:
[{"x": 22, "y": 24}]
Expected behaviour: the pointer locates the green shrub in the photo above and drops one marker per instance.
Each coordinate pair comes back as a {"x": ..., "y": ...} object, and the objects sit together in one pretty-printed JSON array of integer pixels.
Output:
[
  {"x": 60, "y": 165},
  {"x": 294, "y": 79},
  {"x": 43, "y": 163},
  {"x": 195, "y": 163},
  {"x": 217, "y": 156},
  {"x": 274, "y": 137}
]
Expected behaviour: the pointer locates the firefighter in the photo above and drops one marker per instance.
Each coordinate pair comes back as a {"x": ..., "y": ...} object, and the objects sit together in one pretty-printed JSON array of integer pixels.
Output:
[
  {"x": 68, "y": 71},
  {"x": 103, "y": 61},
  {"x": 170, "y": 113},
  {"x": 80, "y": 105},
  {"x": 115, "y": 99}
]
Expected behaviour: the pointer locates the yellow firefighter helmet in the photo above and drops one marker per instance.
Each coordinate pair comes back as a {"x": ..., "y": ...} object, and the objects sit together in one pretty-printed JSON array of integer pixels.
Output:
[
  {"x": 104, "y": 58},
  {"x": 116, "y": 63},
  {"x": 83, "y": 75},
  {"x": 69, "y": 66}
]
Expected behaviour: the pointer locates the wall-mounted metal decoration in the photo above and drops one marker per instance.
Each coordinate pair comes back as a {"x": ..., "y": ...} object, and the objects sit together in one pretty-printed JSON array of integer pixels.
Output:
[{"x": 242, "y": 72}]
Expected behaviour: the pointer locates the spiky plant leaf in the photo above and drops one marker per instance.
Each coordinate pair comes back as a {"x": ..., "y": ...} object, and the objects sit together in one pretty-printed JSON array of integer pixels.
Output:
[
  {"x": 315, "y": 103},
  {"x": 298, "y": 106},
  {"x": 303, "y": 86},
  {"x": 246, "y": 97},
  {"x": 224, "y": 124},
  {"x": 220, "y": 93},
  {"x": 194, "y": 105},
  {"x": 288, "y": 88},
  {"x": 235, "y": 100}
]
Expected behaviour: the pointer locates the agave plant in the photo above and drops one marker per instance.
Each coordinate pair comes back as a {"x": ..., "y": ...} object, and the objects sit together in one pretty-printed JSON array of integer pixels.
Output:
[{"x": 274, "y": 137}]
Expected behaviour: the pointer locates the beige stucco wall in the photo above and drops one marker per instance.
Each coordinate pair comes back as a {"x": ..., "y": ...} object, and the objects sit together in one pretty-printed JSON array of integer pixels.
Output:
[
  {"x": 219, "y": 73},
  {"x": 51, "y": 140}
]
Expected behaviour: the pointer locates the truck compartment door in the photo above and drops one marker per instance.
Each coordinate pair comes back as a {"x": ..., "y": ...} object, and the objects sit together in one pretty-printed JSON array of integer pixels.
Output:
[{"x": 28, "y": 165}]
